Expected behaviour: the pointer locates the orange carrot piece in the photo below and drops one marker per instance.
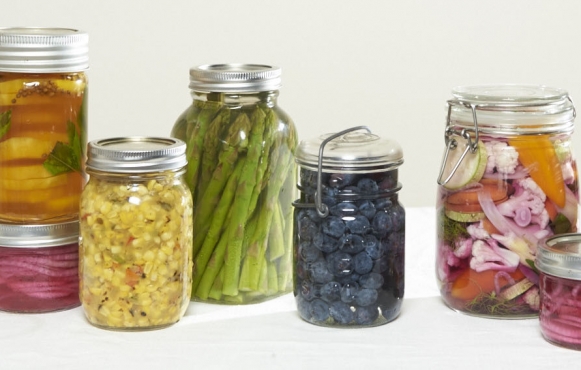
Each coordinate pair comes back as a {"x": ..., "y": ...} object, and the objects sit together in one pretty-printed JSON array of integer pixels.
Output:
[{"x": 538, "y": 155}]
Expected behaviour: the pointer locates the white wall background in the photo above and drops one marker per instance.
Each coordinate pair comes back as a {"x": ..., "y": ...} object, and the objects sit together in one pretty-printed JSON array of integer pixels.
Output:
[{"x": 383, "y": 63}]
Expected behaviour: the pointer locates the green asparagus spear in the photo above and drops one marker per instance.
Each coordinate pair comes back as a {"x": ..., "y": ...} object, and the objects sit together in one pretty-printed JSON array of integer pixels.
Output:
[
  {"x": 240, "y": 208},
  {"x": 211, "y": 149},
  {"x": 209, "y": 251},
  {"x": 276, "y": 241},
  {"x": 269, "y": 132},
  {"x": 195, "y": 144},
  {"x": 233, "y": 145},
  {"x": 257, "y": 247}
]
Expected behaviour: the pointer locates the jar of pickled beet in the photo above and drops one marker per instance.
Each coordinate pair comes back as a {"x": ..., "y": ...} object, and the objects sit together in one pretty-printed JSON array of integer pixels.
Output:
[
  {"x": 559, "y": 264},
  {"x": 241, "y": 148},
  {"x": 39, "y": 267},
  {"x": 508, "y": 179},
  {"x": 43, "y": 123},
  {"x": 135, "y": 234},
  {"x": 349, "y": 239}
]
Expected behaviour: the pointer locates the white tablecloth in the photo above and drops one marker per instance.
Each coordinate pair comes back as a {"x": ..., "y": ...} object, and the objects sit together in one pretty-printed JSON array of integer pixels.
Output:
[{"x": 270, "y": 335}]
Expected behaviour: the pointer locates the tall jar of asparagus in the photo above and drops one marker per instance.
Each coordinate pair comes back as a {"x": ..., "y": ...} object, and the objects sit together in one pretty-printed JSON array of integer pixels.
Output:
[{"x": 240, "y": 151}]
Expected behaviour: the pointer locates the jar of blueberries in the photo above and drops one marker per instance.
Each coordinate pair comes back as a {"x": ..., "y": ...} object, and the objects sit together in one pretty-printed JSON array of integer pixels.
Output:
[{"x": 349, "y": 230}]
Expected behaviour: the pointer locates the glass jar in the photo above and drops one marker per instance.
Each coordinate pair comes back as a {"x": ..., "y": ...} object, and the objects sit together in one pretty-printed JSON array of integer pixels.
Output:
[
  {"x": 349, "y": 240},
  {"x": 39, "y": 267},
  {"x": 240, "y": 172},
  {"x": 136, "y": 234},
  {"x": 508, "y": 179},
  {"x": 43, "y": 123},
  {"x": 559, "y": 264}
]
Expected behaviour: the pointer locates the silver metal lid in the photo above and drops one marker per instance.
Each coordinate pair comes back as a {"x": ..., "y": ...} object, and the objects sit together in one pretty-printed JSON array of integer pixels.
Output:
[
  {"x": 43, "y": 50},
  {"x": 235, "y": 78},
  {"x": 560, "y": 256},
  {"x": 39, "y": 236},
  {"x": 354, "y": 152},
  {"x": 136, "y": 154},
  {"x": 512, "y": 109}
]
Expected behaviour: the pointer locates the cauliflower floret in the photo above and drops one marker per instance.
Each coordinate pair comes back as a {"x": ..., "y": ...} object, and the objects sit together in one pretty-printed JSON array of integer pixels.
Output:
[
  {"x": 477, "y": 232},
  {"x": 490, "y": 256},
  {"x": 502, "y": 157},
  {"x": 526, "y": 205}
]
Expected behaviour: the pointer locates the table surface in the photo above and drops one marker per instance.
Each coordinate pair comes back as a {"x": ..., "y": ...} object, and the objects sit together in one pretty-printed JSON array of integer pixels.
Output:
[{"x": 270, "y": 335}]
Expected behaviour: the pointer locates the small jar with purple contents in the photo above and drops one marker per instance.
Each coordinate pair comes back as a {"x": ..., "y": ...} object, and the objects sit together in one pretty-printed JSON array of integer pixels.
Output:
[
  {"x": 559, "y": 263},
  {"x": 39, "y": 267},
  {"x": 349, "y": 230}
]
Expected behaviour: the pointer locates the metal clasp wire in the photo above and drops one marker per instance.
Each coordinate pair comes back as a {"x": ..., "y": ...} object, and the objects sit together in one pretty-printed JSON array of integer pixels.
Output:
[
  {"x": 322, "y": 209},
  {"x": 452, "y": 143}
]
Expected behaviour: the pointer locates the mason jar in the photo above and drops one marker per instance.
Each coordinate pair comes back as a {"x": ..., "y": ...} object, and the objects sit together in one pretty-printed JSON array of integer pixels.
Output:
[
  {"x": 240, "y": 172},
  {"x": 135, "y": 234},
  {"x": 508, "y": 179},
  {"x": 559, "y": 264},
  {"x": 349, "y": 239},
  {"x": 43, "y": 123},
  {"x": 39, "y": 267}
]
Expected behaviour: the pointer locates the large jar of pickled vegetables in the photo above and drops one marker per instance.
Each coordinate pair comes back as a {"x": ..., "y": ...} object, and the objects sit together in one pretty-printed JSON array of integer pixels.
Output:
[
  {"x": 241, "y": 175},
  {"x": 135, "y": 234},
  {"x": 349, "y": 238},
  {"x": 43, "y": 123},
  {"x": 39, "y": 267},
  {"x": 508, "y": 179}
]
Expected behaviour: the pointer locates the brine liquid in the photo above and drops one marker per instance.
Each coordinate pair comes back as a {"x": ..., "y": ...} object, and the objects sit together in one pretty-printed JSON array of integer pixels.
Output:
[{"x": 42, "y": 141}]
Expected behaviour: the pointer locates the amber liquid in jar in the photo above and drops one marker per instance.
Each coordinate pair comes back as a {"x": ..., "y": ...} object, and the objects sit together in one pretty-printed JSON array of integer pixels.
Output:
[{"x": 42, "y": 141}]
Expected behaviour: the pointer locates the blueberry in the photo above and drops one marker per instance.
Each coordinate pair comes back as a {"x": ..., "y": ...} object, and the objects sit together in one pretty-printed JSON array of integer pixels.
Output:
[
  {"x": 398, "y": 217},
  {"x": 347, "y": 279},
  {"x": 362, "y": 263},
  {"x": 388, "y": 183},
  {"x": 366, "y": 297},
  {"x": 301, "y": 270},
  {"x": 383, "y": 204},
  {"x": 319, "y": 272},
  {"x": 349, "y": 292},
  {"x": 372, "y": 246},
  {"x": 341, "y": 180},
  {"x": 366, "y": 208},
  {"x": 366, "y": 315},
  {"x": 308, "y": 291},
  {"x": 329, "y": 244},
  {"x": 358, "y": 224},
  {"x": 367, "y": 186},
  {"x": 382, "y": 264},
  {"x": 303, "y": 307},
  {"x": 340, "y": 263},
  {"x": 343, "y": 209},
  {"x": 352, "y": 244},
  {"x": 341, "y": 312},
  {"x": 382, "y": 223},
  {"x": 319, "y": 310},
  {"x": 333, "y": 226},
  {"x": 308, "y": 252},
  {"x": 309, "y": 213},
  {"x": 331, "y": 291},
  {"x": 307, "y": 229},
  {"x": 372, "y": 280}
]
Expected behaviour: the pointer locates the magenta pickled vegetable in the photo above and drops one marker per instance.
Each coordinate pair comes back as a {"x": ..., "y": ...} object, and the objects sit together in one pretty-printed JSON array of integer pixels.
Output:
[
  {"x": 559, "y": 264},
  {"x": 39, "y": 267}
]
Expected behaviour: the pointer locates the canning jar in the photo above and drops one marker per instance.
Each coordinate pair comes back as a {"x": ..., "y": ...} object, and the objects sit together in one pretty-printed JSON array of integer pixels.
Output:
[
  {"x": 508, "y": 179},
  {"x": 559, "y": 264},
  {"x": 241, "y": 175},
  {"x": 43, "y": 123},
  {"x": 136, "y": 234},
  {"x": 39, "y": 267},
  {"x": 349, "y": 239}
]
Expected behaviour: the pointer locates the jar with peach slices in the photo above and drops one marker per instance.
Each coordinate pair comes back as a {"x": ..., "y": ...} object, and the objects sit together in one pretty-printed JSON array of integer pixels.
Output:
[{"x": 508, "y": 179}]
